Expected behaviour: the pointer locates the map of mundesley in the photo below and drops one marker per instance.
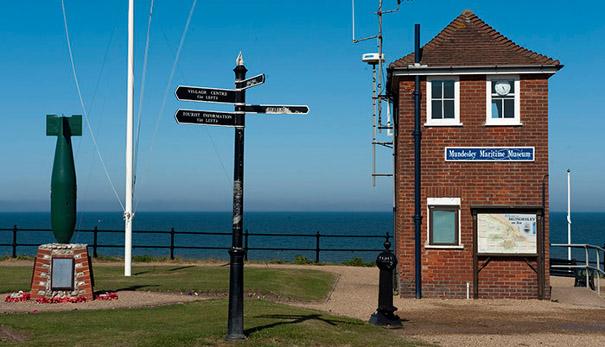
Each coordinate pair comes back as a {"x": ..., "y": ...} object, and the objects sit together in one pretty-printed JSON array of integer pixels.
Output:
[{"x": 510, "y": 233}]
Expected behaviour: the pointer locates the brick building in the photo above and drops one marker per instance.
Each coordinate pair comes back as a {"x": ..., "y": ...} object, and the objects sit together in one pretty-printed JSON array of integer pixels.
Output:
[{"x": 484, "y": 165}]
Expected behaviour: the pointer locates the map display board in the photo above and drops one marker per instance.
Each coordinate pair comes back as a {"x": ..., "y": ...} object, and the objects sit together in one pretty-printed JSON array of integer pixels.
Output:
[{"x": 506, "y": 233}]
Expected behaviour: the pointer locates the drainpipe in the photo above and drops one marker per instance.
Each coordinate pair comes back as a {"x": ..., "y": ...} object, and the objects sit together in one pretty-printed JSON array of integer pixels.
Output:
[
  {"x": 394, "y": 97},
  {"x": 417, "y": 194},
  {"x": 542, "y": 259}
]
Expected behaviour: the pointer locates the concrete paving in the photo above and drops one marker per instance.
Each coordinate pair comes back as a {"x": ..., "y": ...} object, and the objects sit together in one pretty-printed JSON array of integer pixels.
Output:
[{"x": 476, "y": 322}]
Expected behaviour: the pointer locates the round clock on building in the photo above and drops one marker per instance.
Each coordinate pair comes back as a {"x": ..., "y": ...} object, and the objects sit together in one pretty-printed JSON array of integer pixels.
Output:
[{"x": 502, "y": 87}]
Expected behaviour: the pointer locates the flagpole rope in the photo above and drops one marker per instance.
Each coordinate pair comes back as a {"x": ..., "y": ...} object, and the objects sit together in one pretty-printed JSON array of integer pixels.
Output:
[
  {"x": 92, "y": 136},
  {"x": 169, "y": 82}
]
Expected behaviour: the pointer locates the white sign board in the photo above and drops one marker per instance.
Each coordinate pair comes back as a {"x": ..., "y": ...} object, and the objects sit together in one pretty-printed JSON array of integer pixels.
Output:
[{"x": 506, "y": 233}]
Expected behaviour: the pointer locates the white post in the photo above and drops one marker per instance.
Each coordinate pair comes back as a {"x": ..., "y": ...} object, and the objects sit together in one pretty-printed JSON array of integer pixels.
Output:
[
  {"x": 129, "y": 145},
  {"x": 568, "y": 213},
  {"x": 468, "y": 290},
  {"x": 598, "y": 273}
]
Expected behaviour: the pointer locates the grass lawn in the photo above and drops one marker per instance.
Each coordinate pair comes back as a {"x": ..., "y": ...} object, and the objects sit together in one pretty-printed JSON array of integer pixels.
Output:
[
  {"x": 196, "y": 324},
  {"x": 283, "y": 284}
]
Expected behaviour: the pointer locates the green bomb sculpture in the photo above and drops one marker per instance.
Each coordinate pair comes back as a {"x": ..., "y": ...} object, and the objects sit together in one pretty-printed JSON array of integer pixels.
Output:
[
  {"x": 62, "y": 270},
  {"x": 63, "y": 182}
]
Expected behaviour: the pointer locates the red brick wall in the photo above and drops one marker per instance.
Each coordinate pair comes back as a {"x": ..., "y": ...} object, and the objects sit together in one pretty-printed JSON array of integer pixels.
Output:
[
  {"x": 41, "y": 278},
  {"x": 446, "y": 272}
]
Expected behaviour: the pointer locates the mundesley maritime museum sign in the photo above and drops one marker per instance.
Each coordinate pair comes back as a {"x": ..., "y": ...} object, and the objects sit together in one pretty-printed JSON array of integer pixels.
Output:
[{"x": 489, "y": 153}]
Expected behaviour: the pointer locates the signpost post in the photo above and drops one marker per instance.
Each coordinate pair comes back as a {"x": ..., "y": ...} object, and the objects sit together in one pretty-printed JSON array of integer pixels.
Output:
[
  {"x": 237, "y": 119},
  {"x": 235, "y": 323}
]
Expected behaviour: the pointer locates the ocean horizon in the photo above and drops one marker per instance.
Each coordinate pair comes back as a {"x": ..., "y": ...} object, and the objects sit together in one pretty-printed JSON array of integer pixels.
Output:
[{"x": 587, "y": 227}]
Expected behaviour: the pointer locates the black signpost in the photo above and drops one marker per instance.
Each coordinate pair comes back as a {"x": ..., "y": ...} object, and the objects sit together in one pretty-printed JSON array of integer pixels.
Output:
[{"x": 237, "y": 119}]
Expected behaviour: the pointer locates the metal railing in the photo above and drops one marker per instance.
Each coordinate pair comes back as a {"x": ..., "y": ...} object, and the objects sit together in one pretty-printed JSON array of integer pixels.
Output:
[
  {"x": 588, "y": 265},
  {"x": 172, "y": 246}
]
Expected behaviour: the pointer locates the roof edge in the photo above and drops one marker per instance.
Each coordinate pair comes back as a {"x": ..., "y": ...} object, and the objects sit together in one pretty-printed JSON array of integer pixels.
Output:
[{"x": 475, "y": 70}]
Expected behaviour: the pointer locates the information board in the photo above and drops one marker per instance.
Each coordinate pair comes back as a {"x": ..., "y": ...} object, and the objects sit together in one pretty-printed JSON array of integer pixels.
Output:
[{"x": 506, "y": 233}]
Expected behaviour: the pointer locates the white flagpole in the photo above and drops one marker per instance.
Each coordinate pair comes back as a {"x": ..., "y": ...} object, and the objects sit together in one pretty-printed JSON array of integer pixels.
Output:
[
  {"x": 568, "y": 213},
  {"x": 128, "y": 215}
]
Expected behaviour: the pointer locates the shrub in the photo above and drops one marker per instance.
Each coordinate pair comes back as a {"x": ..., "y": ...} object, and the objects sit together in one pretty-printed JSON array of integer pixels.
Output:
[
  {"x": 149, "y": 259},
  {"x": 357, "y": 261},
  {"x": 301, "y": 260}
]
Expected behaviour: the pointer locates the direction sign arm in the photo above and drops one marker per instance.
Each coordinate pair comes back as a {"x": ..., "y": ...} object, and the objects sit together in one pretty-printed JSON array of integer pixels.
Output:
[
  {"x": 250, "y": 82},
  {"x": 278, "y": 109}
]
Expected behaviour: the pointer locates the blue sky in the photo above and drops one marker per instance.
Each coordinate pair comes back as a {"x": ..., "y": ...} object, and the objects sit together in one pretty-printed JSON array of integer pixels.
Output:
[{"x": 318, "y": 162}]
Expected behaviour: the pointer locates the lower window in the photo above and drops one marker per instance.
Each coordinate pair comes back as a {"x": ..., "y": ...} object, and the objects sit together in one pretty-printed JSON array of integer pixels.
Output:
[{"x": 443, "y": 225}]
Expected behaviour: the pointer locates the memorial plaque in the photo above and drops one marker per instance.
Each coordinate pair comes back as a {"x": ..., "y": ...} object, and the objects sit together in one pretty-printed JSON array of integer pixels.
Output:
[{"x": 62, "y": 274}]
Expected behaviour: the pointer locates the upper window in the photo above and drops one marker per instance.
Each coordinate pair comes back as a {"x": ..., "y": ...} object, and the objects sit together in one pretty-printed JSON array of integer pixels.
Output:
[
  {"x": 443, "y": 223},
  {"x": 443, "y": 101},
  {"x": 503, "y": 103}
]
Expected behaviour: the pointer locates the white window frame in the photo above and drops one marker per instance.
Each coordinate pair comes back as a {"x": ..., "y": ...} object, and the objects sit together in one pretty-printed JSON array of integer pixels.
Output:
[
  {"x": 488, "y": 105},
  {"x": 443, "y": 122},
  {"x": 443, "y": 202}
]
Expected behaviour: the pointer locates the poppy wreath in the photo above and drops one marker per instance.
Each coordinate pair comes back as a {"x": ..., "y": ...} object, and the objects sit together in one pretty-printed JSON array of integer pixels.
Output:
[
  {"x": 19, "y": 296},
  {"x": 107, "y": 296},
  {"x": 60, "y": 300}
]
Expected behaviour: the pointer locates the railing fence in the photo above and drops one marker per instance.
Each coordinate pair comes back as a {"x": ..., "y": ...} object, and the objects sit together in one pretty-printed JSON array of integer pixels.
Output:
[
  {"x": 172, "y": 246},
  {"x": 596, "y": 266}
]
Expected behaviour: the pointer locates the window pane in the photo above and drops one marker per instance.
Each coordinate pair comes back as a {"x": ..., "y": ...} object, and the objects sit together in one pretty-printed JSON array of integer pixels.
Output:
[
  {"x": 448, "y": 89},
  {"x": 436, "y": 112},
  {"x": 496, "y": 108},
  {"x": 436, "y": 89},
  {"x": 512, "y": 86},
  {"x": 448, "y": 109},
  {"x": 509, "y": 108},
  {"x": 444, "y": 227}
]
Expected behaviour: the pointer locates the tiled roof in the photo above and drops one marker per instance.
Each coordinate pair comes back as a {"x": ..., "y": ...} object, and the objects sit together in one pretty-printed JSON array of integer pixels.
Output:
[{"x": 469, "y": 41}]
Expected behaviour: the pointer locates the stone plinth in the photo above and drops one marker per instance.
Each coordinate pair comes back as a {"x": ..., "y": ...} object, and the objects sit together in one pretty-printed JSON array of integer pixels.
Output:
[{"x": 72, "y": 272}]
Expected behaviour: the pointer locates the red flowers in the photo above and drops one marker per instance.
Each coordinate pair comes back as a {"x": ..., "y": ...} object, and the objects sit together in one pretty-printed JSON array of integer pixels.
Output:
[
  {"x": 60, "y": 299},
  {"x": 18, "y": 297},
  {"x": 107, "y": 296},
  {"x": 22, "y": 296}
]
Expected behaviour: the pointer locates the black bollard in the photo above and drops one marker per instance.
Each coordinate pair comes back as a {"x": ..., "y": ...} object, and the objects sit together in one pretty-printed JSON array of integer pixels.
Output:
[{"x": 385, "y": 313}]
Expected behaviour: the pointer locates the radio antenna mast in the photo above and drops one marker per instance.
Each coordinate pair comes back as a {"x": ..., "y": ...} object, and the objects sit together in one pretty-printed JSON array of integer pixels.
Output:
[{"x": 378, "y": 95}]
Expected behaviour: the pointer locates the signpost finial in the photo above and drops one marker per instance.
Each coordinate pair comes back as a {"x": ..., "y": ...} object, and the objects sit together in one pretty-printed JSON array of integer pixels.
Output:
[{"x": 240, "y": 59}]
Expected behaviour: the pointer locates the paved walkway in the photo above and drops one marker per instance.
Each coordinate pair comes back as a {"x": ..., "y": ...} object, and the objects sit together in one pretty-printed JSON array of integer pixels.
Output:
[{"x": 471, "y": 322}]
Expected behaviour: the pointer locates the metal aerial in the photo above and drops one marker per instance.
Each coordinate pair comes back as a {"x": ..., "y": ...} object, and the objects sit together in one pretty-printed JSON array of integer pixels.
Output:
[{"x": 376, "y": 60}]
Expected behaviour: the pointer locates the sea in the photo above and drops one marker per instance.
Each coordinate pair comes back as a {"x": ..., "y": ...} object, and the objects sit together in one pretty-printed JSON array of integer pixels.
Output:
[{"x": 587, "y": 227}]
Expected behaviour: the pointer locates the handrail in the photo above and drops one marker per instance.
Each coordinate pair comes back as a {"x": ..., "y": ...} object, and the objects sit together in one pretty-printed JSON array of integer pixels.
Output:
[
  {"x": 577, "y": 245},
  {"x": 199, "y": 233},
  {"x": 587, "y": 263},
  {"x": 317, "y": 236}
]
